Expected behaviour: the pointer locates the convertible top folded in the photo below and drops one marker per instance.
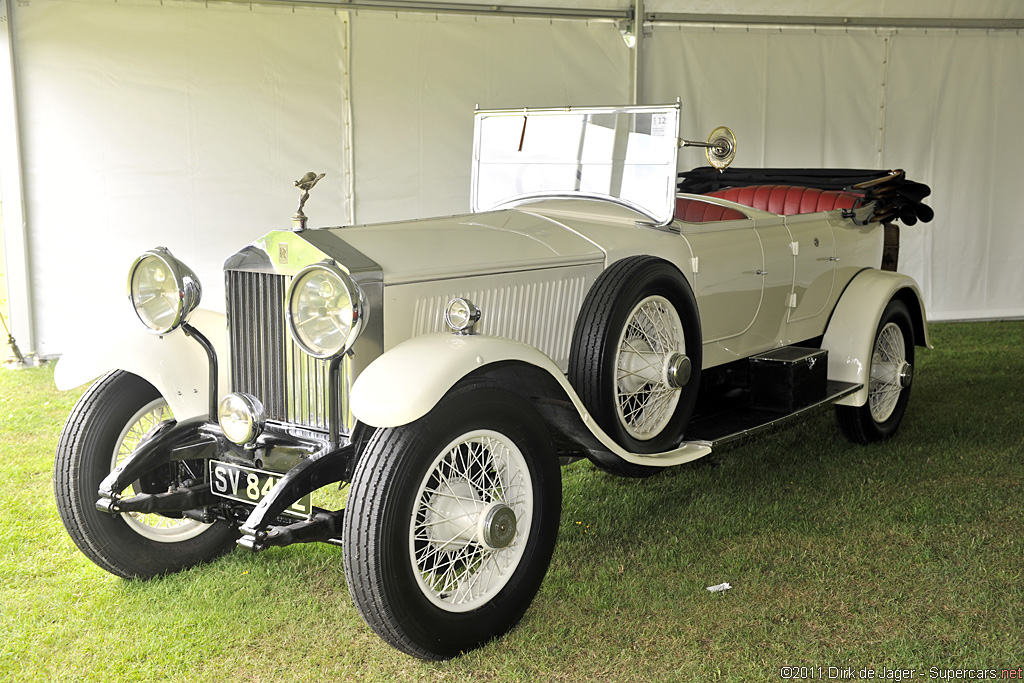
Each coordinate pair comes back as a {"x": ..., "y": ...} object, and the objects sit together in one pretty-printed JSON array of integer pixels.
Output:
[{"x": 897, "y": 197}]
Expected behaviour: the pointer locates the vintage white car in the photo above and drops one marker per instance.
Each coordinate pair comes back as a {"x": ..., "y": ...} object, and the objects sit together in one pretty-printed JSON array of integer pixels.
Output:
[{"x": 445, "y": 368}]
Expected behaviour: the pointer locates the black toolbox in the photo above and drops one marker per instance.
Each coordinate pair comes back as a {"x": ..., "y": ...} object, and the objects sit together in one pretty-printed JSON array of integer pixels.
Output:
[{"x": 786, "y": 379}]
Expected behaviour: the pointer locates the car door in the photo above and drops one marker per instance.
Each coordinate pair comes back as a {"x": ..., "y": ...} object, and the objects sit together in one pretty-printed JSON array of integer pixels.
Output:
[
  {"x": 777, "y": 274},
  {"x": 728, "y": 263},
  {"x": 814, "y": 262}
]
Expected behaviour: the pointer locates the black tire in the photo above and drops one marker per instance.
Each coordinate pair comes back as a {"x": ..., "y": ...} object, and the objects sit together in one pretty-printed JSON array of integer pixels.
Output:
[
  {"x": 395, "y": 517},
  {"x": 593, "y": 361},
  {"x": 888, "y": 391},
  {"x": 124, "y": 545}
]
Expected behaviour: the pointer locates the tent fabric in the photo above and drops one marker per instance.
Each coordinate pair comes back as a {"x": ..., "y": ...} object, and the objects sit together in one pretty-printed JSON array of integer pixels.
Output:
[
  {"x": 417, "y": 79},
  {"x": 174, "y": 125},
  {"x": 953, "y": 114},
  {"x": 183, "y": 124},
  {"x": 941, "y": 105}
]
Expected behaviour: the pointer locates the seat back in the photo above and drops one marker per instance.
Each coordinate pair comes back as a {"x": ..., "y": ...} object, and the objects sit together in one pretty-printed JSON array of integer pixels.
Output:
[
  {"x": 787, "y": 200},
  {"x": 697, "y": 211}
]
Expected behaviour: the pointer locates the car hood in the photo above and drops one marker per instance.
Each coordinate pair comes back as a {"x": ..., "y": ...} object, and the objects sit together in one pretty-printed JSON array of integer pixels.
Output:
[
  {"x": 462, "y": 246},
  {"x": 534, "y": 236}
]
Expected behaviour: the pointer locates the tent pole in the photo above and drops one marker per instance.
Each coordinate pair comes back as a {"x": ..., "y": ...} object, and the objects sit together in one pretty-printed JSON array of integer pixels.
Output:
[
  {"x": 12, "y": 184},
  {"x": 637, "y": 59}
]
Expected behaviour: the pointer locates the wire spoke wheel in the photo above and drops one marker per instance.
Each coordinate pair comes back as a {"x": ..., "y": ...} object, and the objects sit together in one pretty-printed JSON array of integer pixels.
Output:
[
  {"x": 888, "y": 363},
  {"x": 459, "y": 561},
  {"x": 652, "y": 336},
  {"x": 451, "y": 521},
  {"x": 635, "y": 360},
  {"x": 153, "y": 526},
  {"x": 109, "y": 422},
  {"x": 889, "y": 380}
]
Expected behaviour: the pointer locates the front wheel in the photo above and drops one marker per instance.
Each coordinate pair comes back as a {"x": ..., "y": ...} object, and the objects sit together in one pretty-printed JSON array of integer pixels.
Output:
[
  {"x": 889, "y": 379},
  {"x": 106, "y": 425},
  {"x": 451, "y": 521}
]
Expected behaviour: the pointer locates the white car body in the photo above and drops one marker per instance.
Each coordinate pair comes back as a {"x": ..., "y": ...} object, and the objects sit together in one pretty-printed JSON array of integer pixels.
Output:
[
  {"x": 529, "y": 268},
  {"x": 445, "y": 367}
]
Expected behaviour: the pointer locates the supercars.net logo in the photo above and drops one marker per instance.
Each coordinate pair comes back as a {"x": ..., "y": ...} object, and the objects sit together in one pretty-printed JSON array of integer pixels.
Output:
[{"x": 849, "y": 673}]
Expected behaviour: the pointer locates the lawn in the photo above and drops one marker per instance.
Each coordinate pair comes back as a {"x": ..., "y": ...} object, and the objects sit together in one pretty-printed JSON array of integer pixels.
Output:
[{"x": 904, "y": 555}]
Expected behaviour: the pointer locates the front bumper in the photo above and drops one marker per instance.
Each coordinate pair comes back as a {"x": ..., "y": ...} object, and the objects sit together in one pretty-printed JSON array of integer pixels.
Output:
[{"x": 306, "y": 462}]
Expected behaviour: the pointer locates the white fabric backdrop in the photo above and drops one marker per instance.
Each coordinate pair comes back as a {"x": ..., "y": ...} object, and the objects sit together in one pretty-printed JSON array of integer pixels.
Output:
[
  {"x": 943, "y": 105},
  {"x": 174, "y": 125},
  {"x": 179, "y": 124},
  {"x": 953, "y": 116},
  {"x": 417, "y": 78}
]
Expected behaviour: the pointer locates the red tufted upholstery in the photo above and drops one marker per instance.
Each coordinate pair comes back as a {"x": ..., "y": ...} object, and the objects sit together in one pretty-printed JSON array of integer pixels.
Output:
[
  {"x": 787, "y": 200},
  {"x": 696, "y": 211}
]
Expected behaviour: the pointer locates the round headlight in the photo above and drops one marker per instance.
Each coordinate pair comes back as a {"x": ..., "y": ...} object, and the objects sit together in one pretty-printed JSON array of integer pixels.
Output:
[
  {"x": 241, "y": 417},
  {"x": 326, "y": 310},
  {"x": 163, "y": 290}
]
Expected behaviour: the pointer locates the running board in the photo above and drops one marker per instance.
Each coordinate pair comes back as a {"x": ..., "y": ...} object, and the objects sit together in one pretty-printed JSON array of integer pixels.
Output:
[{"x": 730, "y": 425}]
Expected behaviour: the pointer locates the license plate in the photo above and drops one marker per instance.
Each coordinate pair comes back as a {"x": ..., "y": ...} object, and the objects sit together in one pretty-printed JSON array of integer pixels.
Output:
[{"x": 250, "y": 485}]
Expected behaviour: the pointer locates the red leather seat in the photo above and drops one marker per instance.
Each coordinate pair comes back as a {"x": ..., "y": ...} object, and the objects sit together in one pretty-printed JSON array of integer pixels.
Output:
[
  {"x": 696, "y": 211},
  {"x": 787, "y": 200}
]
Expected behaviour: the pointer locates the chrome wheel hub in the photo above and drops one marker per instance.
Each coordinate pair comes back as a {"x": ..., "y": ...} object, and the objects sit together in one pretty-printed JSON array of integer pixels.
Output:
[
  {"x": 906, "y": 375},
  {"x": 497, "y": 526},
  {"x": 677, "y": 371}
]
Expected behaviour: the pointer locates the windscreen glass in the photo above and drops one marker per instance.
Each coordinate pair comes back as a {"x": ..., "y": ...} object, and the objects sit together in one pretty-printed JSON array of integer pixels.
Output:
[{"x": 627, "y": 154}]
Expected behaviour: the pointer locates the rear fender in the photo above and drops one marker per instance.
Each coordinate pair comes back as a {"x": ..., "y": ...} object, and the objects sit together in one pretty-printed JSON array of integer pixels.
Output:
[
  {"x": 173, "y": 363},
  {"x": 850, "y": 337},
  {"x": 405, "y": 383}
]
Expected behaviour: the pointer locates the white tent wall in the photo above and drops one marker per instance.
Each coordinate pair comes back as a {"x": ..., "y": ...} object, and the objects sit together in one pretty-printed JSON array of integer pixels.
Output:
[
  {"x": 184, "y": 123},
  {"x": 167, "y": 124},
  {"x": 417, "y": 78},
  {"x": 953, "y": 109},
  {"x": 940, "y": 104},
  {"x": 786, "y": 95}
]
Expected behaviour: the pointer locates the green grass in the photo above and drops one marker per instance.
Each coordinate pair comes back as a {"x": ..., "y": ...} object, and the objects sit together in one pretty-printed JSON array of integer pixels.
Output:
[{"x": 907, "y": 554}]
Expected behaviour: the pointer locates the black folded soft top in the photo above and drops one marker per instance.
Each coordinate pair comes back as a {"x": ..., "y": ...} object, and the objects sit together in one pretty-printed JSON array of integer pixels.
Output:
[{"x": 897, "y": 197}]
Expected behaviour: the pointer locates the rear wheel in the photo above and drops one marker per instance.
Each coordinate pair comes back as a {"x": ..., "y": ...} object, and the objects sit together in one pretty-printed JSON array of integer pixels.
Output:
[
  {"x": 889, "y": 380},
  {"x": 451, "y": 521},
  {"x": 107, "y": 424}
]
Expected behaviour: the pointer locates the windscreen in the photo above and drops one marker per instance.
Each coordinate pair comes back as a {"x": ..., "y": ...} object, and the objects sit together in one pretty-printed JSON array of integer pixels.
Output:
[{"x": 627, "y": 154}]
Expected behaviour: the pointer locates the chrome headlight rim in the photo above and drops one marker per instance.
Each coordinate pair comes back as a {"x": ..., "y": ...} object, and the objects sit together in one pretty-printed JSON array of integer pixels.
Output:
[
  {"x": 187, "y": 289},
  {"x": 357, "y": 300},
  {"x": 250, "y": 408},
  {"x": 461, "y": 315}
]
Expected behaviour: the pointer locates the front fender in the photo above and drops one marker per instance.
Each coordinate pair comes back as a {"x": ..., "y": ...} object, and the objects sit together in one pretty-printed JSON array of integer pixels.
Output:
[
  {"x": 176, "y": 365},
  {"x": 850, "y": 337},
  {"x": 405, "y": 383}
]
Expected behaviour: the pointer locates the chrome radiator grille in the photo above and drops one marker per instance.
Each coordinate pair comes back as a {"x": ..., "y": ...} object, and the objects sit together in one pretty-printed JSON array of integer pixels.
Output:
[{"x": 293, "y": 386}]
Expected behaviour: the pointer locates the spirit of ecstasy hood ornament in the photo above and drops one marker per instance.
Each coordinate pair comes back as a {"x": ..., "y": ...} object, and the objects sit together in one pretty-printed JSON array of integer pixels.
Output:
[{"x": 305, "y": 184}]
